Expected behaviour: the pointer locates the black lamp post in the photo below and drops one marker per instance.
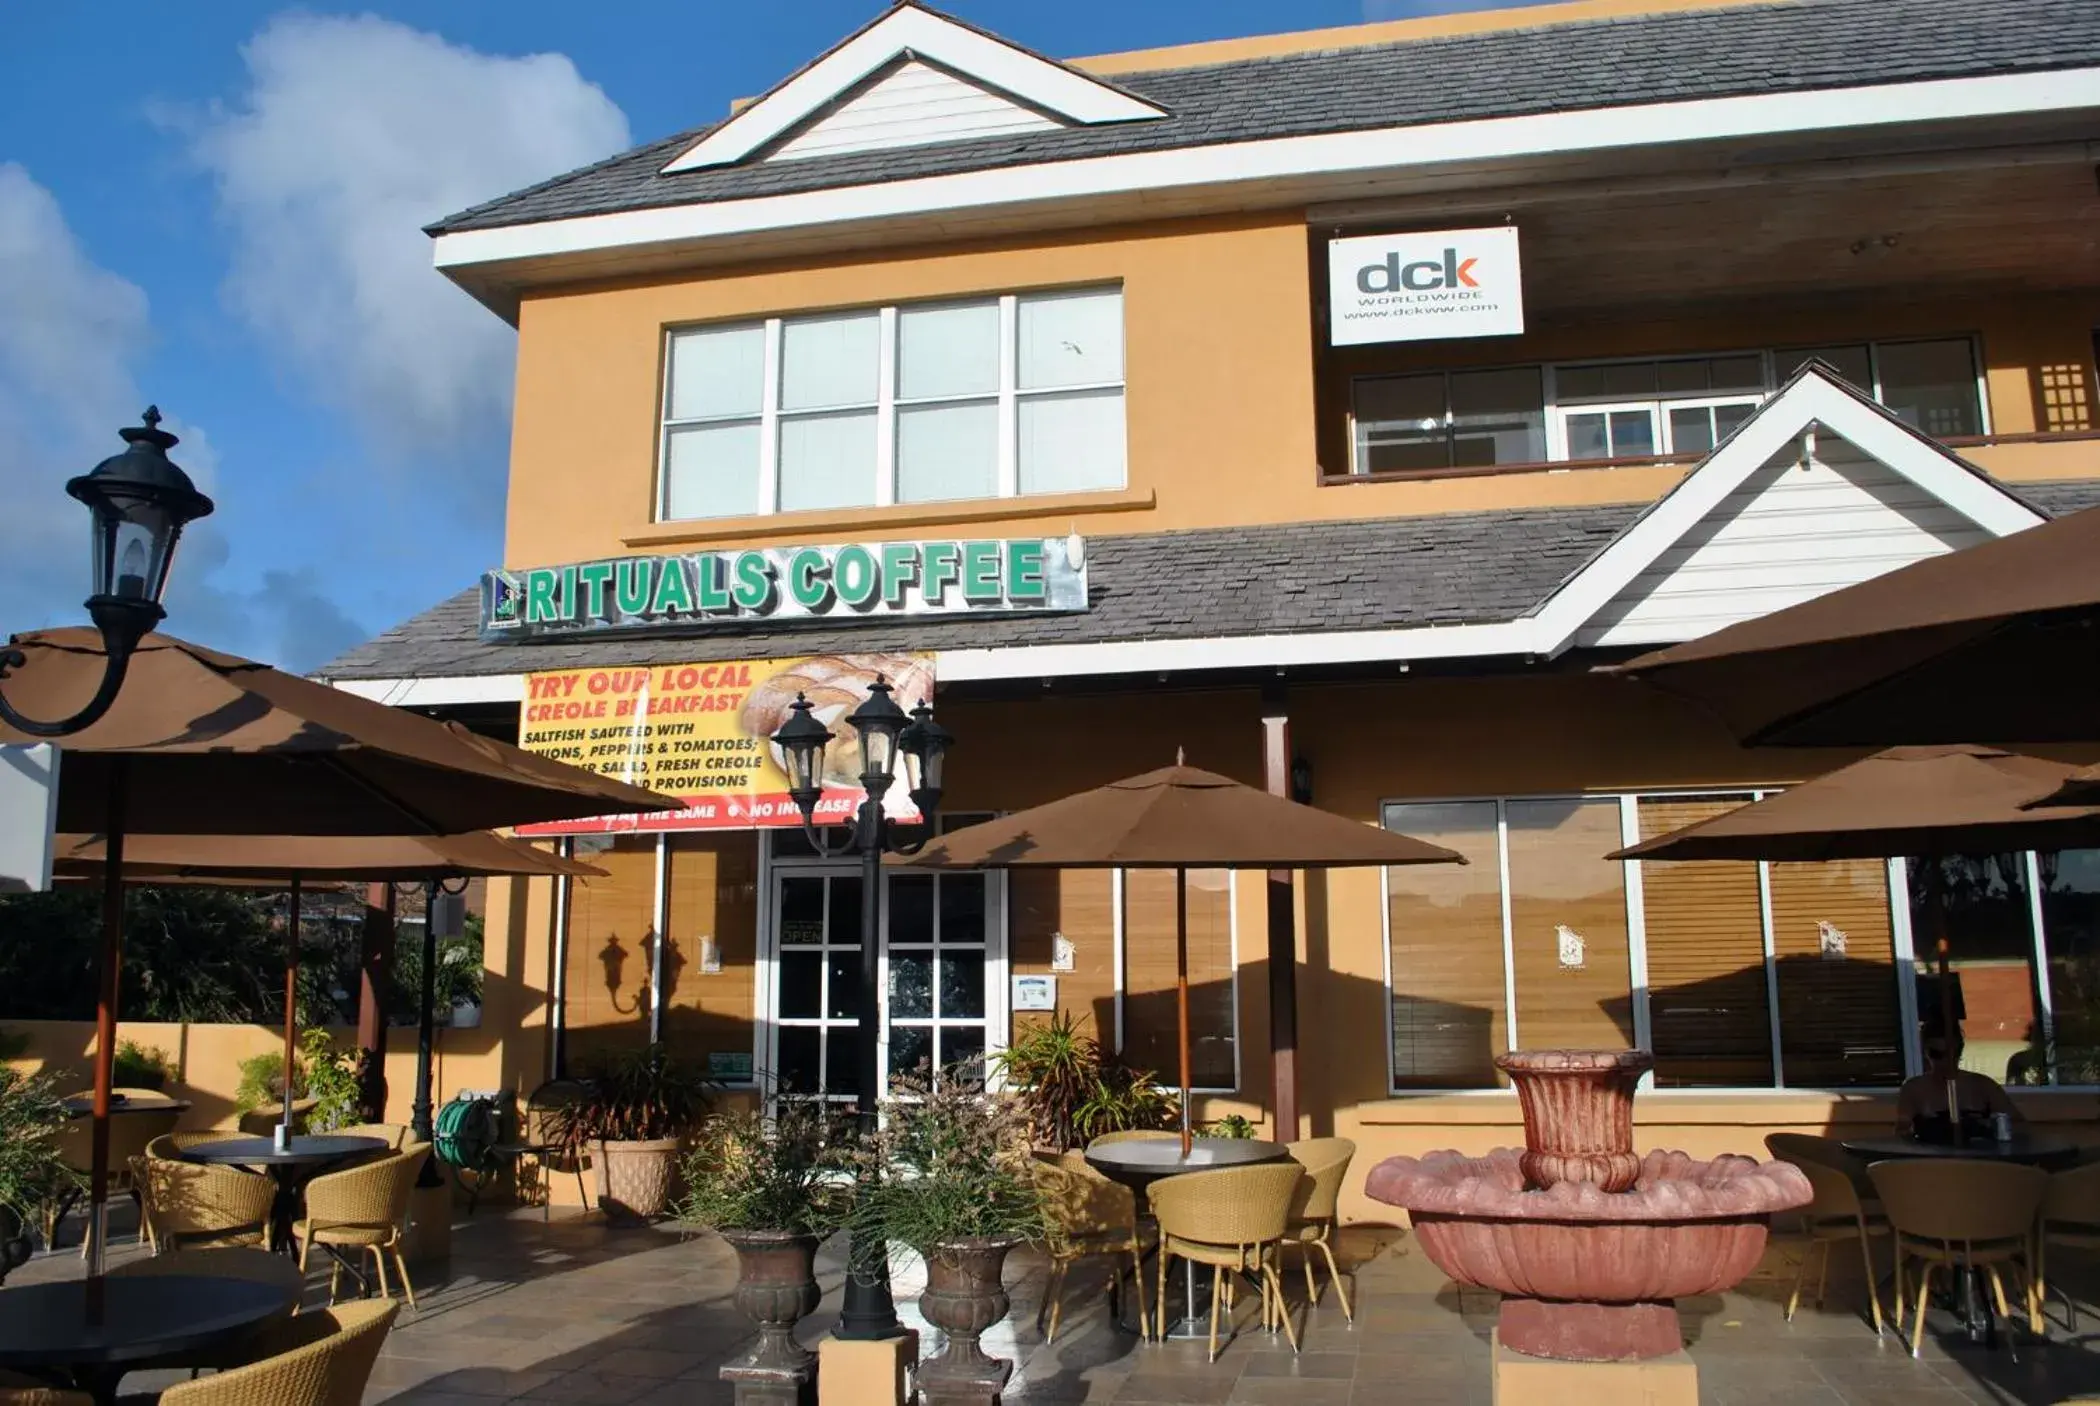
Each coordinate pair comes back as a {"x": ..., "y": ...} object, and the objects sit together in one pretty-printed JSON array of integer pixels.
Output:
[
  {"x": 141, "y": 502},
  {"x": 885, "y": 733}
]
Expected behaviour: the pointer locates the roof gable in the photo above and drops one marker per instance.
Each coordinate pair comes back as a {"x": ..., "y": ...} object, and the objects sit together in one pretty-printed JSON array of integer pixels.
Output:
[
  {"x": 911, "y": 78},
  {"x": 1820, "y": 488}
]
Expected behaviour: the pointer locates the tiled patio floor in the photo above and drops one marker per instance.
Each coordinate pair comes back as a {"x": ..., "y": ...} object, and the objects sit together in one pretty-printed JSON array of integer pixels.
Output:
[{"x": 575, "y": 1312}]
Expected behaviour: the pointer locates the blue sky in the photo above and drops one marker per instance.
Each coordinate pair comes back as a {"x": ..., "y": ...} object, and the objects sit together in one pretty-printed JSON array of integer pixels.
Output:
[{"x": 216, "y": 208}]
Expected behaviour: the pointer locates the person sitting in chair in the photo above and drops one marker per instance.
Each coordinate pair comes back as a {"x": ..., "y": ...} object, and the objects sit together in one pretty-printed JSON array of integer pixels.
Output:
[{"x": 1926, "y": 1095}]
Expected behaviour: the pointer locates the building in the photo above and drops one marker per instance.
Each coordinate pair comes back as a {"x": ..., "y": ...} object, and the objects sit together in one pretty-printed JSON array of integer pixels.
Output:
[{"x": 1371, "y": 386}]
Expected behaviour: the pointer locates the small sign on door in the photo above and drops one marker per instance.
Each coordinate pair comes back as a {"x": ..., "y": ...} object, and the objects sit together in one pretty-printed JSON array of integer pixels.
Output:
[{"x": 1571, "y": 945}]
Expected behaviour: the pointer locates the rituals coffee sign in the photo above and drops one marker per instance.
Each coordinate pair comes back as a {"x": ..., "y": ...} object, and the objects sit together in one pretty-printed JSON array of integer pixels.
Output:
[
  {"x": 1419, "y": 287},
  {"x": 692, "y": 591}
]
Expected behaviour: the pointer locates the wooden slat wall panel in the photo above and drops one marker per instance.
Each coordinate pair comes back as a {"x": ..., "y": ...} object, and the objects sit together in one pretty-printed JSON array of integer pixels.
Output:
[
  {"x": 1449, "y": 1015},
  {"x": 1078, "y": 903},
  {"x": 1707, "y": 1003},
  {"x": 1838, "y": 1019},
  {"x": 713, "y": 893},
  {"x": 1558, "y": 875},
  {"x": 610, "y": 924},
  {"x": 1149, "y": 1020}
]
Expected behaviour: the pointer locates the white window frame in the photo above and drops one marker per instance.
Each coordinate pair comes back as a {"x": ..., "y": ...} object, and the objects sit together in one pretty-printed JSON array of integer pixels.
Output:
[{"x": 1008, "y": 397}]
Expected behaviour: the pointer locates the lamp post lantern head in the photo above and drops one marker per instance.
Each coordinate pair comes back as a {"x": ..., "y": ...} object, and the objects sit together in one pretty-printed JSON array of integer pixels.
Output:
[
  {"x": 925, "y": 746},
  {"x": 802, "y": 740},
  {"x": 879, "y": 722},
  {"x": 140, "y": 501}
]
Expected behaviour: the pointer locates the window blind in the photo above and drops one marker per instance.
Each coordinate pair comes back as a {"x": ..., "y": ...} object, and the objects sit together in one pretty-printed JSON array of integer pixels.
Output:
[
  {"x": 1449, "y": 1009},
  {"x": 1561, "y": 885},
  {"x": 1704, "y": 922},
  {"x": 611, "y": 923},
  {"x": 1150, "y": 1025}
]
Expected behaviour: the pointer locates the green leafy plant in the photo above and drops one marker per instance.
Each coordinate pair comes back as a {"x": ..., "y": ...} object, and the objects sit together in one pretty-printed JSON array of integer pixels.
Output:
[
  {"x": 137, "y": 1067},
  {"x": 262, "y": 1081},
  {"x": 1052, "y": 1068},
  {"x": 636, "y": 1097},
  {"x": 1125, "y": 1099},
  {"x": 950, "y": 1163},
  {"x": 788, "y": 1172},
  {"x": 32, "y": 1173},
  {"x": 330, "y": 1079},
  {"x": 1232, "y": 1125}
]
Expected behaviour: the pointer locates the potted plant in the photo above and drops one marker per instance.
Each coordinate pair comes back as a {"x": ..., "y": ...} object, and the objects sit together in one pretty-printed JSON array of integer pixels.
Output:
[
  {"x": 138, "y": 1067},
  {"x": 32, "y": 1174},
  {"x": 774, "y": 1189},
  {"x": 632, "y": 1120},
  {"x": 1070, "y": 1093},
  {"x": 948, "y": 1177}
]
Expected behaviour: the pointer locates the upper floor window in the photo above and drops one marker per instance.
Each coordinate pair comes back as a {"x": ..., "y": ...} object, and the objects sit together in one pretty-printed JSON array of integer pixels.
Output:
[
  {"x": 1636, "y": 409},
  {"x": 921, "y": 403}
]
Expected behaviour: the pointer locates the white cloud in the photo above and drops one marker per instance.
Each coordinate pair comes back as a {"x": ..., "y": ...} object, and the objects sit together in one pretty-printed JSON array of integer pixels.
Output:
[{"x": 353, "y": 134}]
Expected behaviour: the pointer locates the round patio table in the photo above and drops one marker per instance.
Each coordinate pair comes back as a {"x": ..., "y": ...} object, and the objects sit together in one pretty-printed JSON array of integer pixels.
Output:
[
  {"x": 1139, "y": 1162},
  {"x": 158, "y": 1103},
  {"x": 150, "y": 1321},
  {"x": 2032, "y": 1149},
  {"x": 302, "y": 1159}
]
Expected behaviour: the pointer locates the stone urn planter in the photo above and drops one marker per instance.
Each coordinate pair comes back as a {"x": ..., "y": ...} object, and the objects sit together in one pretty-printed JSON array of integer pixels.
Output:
[
  {"x": 776, "y": 1288},
  {"x": 1589, "y": 1244},
  {"x": 635, "y": 1178},
  {"x": 965, "y": 1295}
]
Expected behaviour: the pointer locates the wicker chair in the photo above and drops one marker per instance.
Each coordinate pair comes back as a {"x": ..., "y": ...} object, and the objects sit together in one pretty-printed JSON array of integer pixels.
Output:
[
  {"x": 27, "y": 1391},
  {"x": 2070, "y": 1216},
  {"x": 330, "y": 1370},
  {"x": 1232, "y": 1219},
  {"x": 198, "y": 1202},
  {"x": 364, "y": 1209},
  {"x": 1962, "y": 1214},
  {"x": 1088, "y": 1215},
  {"x": 395, "y": 1135},
  {"x": 262, "y": 1120},
  {"x": 1315, "y": 1210},
  {"x": 1131, "y": 1135},
  {"x": 1835, "y": 1214},
  {"x": 1803, "y": 1148},
  {"x": 129, "y": 1134}
]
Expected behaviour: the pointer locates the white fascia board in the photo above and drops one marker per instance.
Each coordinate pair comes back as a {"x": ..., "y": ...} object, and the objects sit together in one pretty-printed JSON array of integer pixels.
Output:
[
  {"x": 1052, "y": 87},
  {"x": 438, "y": 692},
  {"x": 1344, "y": 153},
  {"x": 1506, "y": 637}
]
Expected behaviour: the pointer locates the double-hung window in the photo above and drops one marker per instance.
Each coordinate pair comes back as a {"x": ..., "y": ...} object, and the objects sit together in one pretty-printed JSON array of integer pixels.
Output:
[
  {"x": 1634, "y": 409},
  {"x": 919, "y": 403}
]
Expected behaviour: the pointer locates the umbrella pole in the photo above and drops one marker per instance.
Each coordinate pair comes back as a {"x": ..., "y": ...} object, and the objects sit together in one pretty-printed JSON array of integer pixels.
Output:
[
  {"x": 106, "y": 1028},
  {"x": 1947, "y": 1020},
  {"x": 291, "y": 1005},
  {"x": 1181, "y": 997}
]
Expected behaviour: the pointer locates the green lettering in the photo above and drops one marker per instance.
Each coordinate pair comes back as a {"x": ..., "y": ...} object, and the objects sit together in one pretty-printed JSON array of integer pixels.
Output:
[
  {"x": 674, "y": 590},
  {"x": 943, "y": 569},
  {"x": 713, "y": 569},
  {"x": 980, "y": 571},
  {"x": 594, "y": 577},
  {"x": 900, "y": 571},
  {"x": 854, "y": 577},
  {"x": 539, "y": 597},
  {"x": 808, "y": 580},
  {"x": 754, "y": 582},
  {"x": 635, "y": 585},
  {"x": 568, "y": 593},
  {"x": 1024, "y": 571}
]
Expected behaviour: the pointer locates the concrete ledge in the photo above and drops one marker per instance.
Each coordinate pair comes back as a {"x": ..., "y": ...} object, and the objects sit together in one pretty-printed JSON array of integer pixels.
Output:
[
  {"x": 1538, "y": 1381},
  {"x": 859, "y": 1373}
]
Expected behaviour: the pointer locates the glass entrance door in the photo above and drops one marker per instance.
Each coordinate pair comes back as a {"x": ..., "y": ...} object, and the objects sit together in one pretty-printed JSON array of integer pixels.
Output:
[{"x": 816, "y": 985}]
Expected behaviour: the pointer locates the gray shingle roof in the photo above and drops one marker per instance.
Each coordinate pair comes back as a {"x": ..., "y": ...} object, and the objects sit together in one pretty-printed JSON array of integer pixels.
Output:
[{"x": 1710, "y": 53}]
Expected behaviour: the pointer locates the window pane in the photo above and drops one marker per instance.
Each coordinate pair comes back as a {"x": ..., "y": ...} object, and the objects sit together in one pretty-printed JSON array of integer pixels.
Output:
[
  {"x": 1071, "y": 339},
  {"x": 1617, "y": 380},
  {"x": 717, "y": 372},
  {"x": 801, "y": 985},
  {"x": 1587, "y": 437},
  {"x": 845, "y": 910},
  {"x": 1682, "y": 377},
  {"x": 1568, "y": 925},
  {"x": 801, "y": 910},
  {"x": 799, "y": 1059},
  {"x": 711, "y": 471},
  {"x": 1691, "y": 429},
  {"x": 1990, "y": 955},
  {"x": 841, "y": 1062},
  {"x": 962, "y": 985},
  {"x": 611, "y": 920},
  {"x": 1729, "y": 418},
  {"x": 1707, "y": 1003},
  {"x": 1449, "y": 1013},
  {"x": 827, "y": 461},
  {"x": 962, "y": 909},
  {"x": 2071, "y": 919},
  {"x": 1150, "y": 1029},
  {"x": 1497, "y": 417},
  {"x": 1400, "y": 424},
  {"x": 1930, "y": 386},
  {"x": 947, "y": 451},
  {"x": 829, "y": 361},
  {"x": 911, "y": 908},
  {"x": 1849, "y": 362},
  {"x": 911, "y": 985},
  {"x": 948, "y": 351},
  {"x": 1737, "y": 373},
  {"x": 1632, "y": 433},
  {"x": 1072, "y": 443},
  {"x": 910, "y": 1047},
  {"x": 842, "y": 1000},
  {"x": 963, "y": 1045},
  {"x": 1839, "y": 1025}
]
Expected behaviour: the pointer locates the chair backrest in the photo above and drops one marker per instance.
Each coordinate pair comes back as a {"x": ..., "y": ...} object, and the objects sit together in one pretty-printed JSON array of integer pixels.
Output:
[
  {"x": 1800, "y": 1148},
  {"x": 1835, "y": 1195},
  {"x": 1326, "y": 1162},
  {"x": 230, "y": 1262},
  {"x": 171, "y": 1146},
  {"x": 1959, "y": 1198},
  {"x": 2074, "y": 1195},
  {"x": 330, "y": 1371},
  {"x": 195, "y": 1198},
  {"x": 1080, "y": 1202},
  {"x": 372, "y": 1195},
  {"x": 1131, "y": 1135},
  {"x": 1227, "y": 1205},
  {"x": 392, "y": 1134}
]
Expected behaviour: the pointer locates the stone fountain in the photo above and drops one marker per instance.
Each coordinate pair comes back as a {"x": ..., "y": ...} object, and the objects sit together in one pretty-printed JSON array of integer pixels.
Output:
[{"x": 1589, "y": 1244}]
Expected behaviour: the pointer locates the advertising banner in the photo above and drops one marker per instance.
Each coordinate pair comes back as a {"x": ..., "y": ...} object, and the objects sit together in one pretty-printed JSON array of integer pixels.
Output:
[
  {"x": 703, "y": 733},
  {"x": 692, "y": 592},
  {"x": 1420, "y": 287}
]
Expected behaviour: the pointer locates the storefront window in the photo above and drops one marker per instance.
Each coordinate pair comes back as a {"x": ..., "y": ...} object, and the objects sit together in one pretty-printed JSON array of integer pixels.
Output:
[
  {"x": 1833, "y": 950},
  {"x": 1449, "y": 1000},
  {"x": 2070, "y": 888},
  {"x": 1567, "y": 919},
  {"x": 1930, "y": 386},
  {"x": 1464, "y": 419},
  {"x": 611, "y": 933},
  {"x": 1981, "y": 904},
  {"x": 711, "y": 950},
  {"x": 1708, "y": 1002},
  {"x": 1150, "y": 1023}
]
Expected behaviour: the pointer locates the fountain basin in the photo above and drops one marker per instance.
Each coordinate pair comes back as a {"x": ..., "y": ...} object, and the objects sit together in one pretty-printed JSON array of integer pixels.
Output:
[{"x": 1590, "y": 1275}]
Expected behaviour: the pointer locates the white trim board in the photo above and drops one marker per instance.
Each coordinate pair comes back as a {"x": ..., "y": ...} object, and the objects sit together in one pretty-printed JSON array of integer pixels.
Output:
[
  {"x": 443, "y": 691},
  {"x": 910, "y": 32},
  {"x": 1395, "y": 149}
]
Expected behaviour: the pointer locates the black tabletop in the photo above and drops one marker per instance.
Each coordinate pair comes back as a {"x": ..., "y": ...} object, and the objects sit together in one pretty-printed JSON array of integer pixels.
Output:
[
  {"x": 262, "y": 1151},
  {"x": 149, "y": 1317},
  {"x": 1141, "y": 1161},
  {"x": 159, "y": 1103},
  {"x": 2023, "y": 1147}
]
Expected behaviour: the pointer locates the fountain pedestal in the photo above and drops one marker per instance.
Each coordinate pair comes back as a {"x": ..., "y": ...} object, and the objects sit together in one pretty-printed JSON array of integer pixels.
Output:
[{"x": 1524, "y": 1380}]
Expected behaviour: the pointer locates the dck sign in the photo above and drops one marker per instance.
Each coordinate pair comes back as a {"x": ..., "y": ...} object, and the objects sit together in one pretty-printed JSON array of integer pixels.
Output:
[{"x": 1424, "y": 286}]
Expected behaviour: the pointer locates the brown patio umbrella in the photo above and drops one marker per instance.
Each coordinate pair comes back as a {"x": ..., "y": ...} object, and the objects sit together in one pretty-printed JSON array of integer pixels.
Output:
[
  {"x": 1175, "y": 818},
  {"x": 1908, "y": 801},
  {"x": 204, "y": 743},
  {"x": 1998, "y": 640}
]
